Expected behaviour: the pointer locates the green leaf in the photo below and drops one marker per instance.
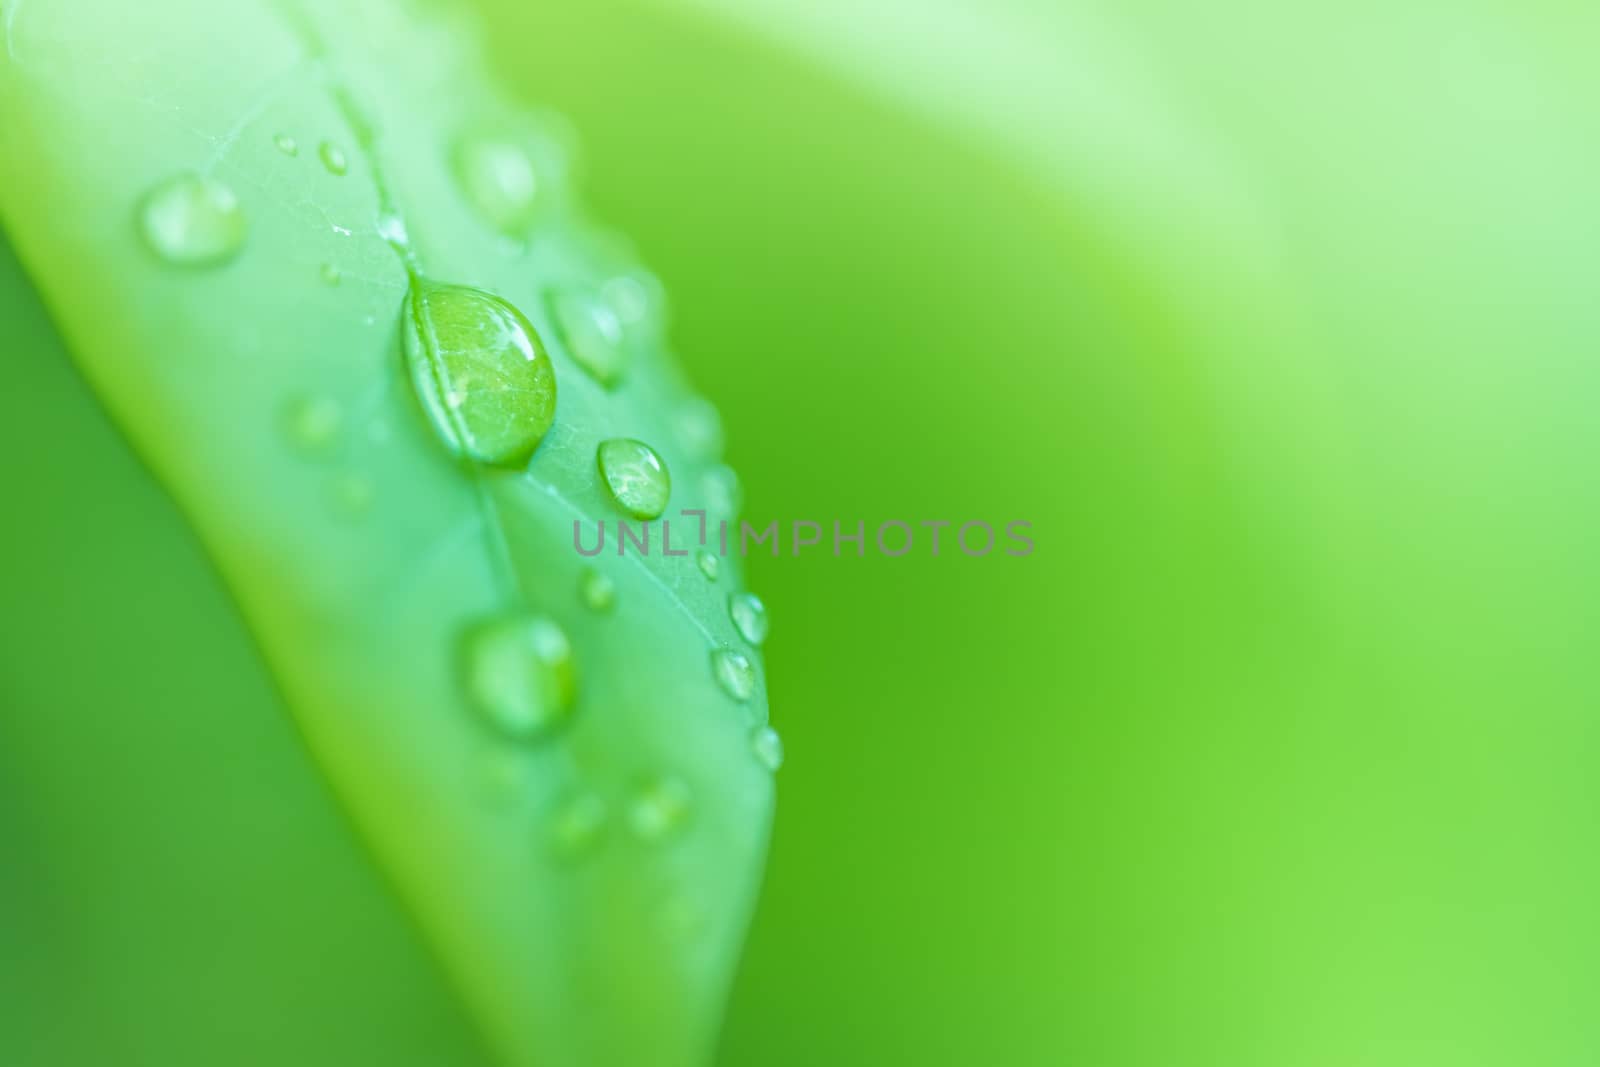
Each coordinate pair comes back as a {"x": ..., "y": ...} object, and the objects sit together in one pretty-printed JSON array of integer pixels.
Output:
[{"x": 228, "y": 219}]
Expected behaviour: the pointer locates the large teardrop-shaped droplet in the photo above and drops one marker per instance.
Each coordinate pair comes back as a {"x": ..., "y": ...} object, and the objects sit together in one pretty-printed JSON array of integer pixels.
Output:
[{"x": 481, "y": 372}]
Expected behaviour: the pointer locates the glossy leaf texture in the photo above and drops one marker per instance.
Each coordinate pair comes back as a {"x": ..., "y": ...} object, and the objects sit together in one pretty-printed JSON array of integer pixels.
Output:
[{"x": 305, "y": 257}]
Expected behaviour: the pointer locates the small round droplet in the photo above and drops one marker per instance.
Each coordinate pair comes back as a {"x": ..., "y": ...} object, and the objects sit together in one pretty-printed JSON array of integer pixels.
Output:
[
  {"x": 636, "y": 476},
  {"x": 767, "y": 747},
  {"x": 519, "y": 675},
  {"x": 576, "y": 824},
  {"x": 499, "y": 180},
  {"x": 734, "y": 673},
  {"x": 392, "y": 228},
  {"x": 330, "y": 274},
  {"x": 724, "y": 494},
  {"x": 659, "y": 809},
  {"x": 590, "y": 332},
  {"x": 333, "y": 158},
  {"x": 312, "y": 424},
  {"x": 483, "y": 376},
  {"x": 635, "y": 296},
  {"x": 193, "y": 221},
  {"x": 597, "y": 590},
  {"x": 749, "y": 616},
  {"x": 709, "y": 564},
  {"x": 699, "y": 427},
  {"x": 286, "y": 144}
]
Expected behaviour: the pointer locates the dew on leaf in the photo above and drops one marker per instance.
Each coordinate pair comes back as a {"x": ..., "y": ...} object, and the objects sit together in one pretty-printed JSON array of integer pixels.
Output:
[
  {"x": 576, "y": 824},
  {"x": 636, "y": 476},
  {"x": 635, "y": 297},
  {"x": 193, "y": 221},
  {"x": 519, "y": 675},
  {"x": 734, "y": 673},
  {"x": 392, "y": 228},
  {"x": 767, "y": 747},
  {"x": 590, "y": 332},
  {"x": 499, "y": 181},
  {"x": 660, "y": 808},
  {"x": 330, "y": 274},
  {"x": 480, "y": 371},
  {"x": 597, "y": 591},
  {"x": 699, "y": 427},
  {"x": 724, "y": 495},
  {"x": 709, "y": 564},
  {"x": 286, "y": 144},
  {"x": 749, "y": 616},
  {"x": 333, "y": 158},
  {"x": 312, "y": 423}
]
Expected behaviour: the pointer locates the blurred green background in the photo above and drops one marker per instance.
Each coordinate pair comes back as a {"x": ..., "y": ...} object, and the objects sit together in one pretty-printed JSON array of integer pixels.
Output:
[{"x": 1278, "y": 324}]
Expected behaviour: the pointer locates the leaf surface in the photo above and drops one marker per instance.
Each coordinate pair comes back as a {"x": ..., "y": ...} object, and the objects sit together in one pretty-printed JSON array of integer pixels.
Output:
[{"x": 587, "y": 890}]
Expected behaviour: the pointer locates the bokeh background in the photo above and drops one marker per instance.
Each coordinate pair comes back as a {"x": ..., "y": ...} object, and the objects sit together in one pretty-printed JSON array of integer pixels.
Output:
[{"x": 1278, "y": 323}]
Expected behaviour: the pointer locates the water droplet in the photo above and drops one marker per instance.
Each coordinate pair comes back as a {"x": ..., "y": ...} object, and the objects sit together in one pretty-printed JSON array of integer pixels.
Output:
[
  {"x": 590, "y": 331},
  {"x": 598, "y": 592},
  {"x": 709, "y": 564},
  {"x": 734, "y": 673},
  {"x": 576, "y": 824},
  {"x": 312, "y": 424},
  {"x": 660, "y": 808},
  {"x": 499, "y": 181},
  {"x": 392, "y": 228},
  {"x": 699, "y": 427},
  {"x": 749, "y": 616},
  {"x": 333, "y": 158},
  {"x": 636, "y": 297},
  {"x": 286, "y": 144},
  {"x": 636, "y": 476},
  {"x": 330, "y": 274},
  {"x": 767, "y": 747},
  {"x": 724, "y": 494},
  {"x": 480, "y": 371},
  {"x": 519, "y": 675},
  {"x": 193, "y": 221}
]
